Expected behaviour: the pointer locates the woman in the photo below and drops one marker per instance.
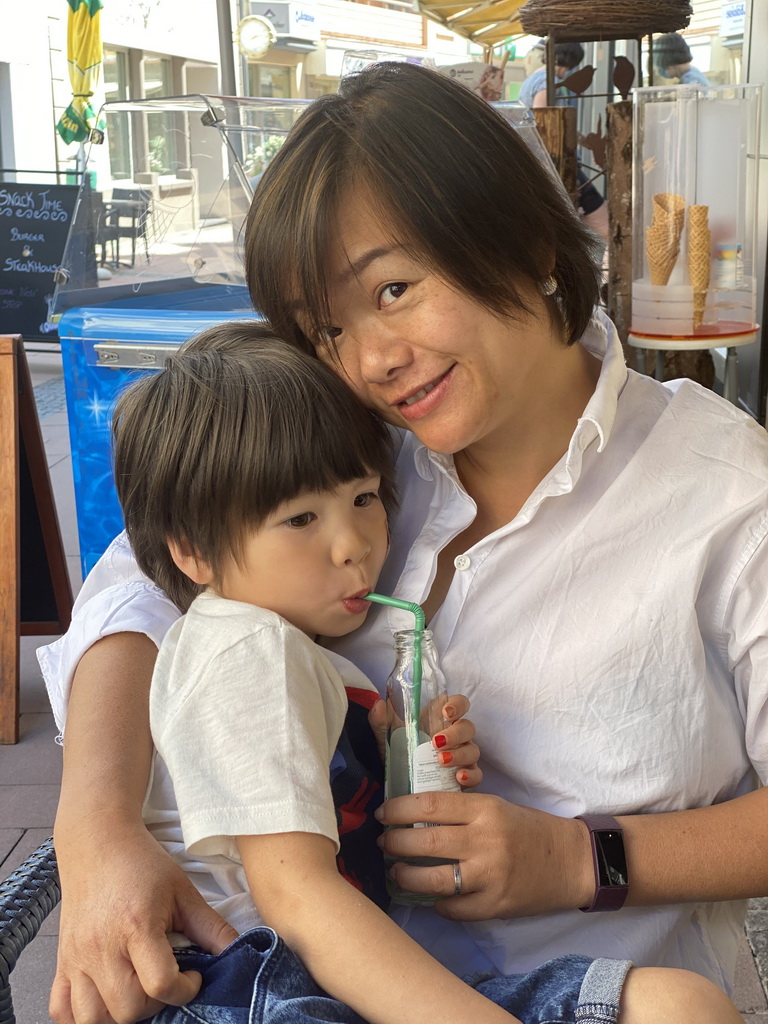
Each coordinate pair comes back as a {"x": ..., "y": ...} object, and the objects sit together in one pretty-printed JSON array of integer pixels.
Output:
[
  {"x": 673, "y": 59},
  {"x": 588, "y": 545}
]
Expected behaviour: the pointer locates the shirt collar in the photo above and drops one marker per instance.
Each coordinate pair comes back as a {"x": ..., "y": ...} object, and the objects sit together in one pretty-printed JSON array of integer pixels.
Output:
[{"x": 600, "y": 339}]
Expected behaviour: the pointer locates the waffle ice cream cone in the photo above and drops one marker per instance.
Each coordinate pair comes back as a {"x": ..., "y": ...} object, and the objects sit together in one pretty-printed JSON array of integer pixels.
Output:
[
  {"x": 699, "y": 249},
  {"x": 662, "y": 239},
  {"x": 661, "y": 251},
  {"x": 669, "y": 207}
]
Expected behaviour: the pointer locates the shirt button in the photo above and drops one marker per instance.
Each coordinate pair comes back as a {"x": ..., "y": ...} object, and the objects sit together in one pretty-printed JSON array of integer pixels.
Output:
[{"x": 462, "y": 562}]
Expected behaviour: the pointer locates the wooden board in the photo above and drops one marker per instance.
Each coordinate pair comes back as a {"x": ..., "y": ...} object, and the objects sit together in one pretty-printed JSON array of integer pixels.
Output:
[
  {"x": 9, "y": 546},
  {"x": 35, "y": 592}
]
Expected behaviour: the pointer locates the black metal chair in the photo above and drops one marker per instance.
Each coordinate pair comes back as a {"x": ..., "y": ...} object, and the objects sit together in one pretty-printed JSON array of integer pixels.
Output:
[
  {"x": 128, "y": 214},
  {"x": 27, "y": 897},
  {"x": 103, "y": 227}
]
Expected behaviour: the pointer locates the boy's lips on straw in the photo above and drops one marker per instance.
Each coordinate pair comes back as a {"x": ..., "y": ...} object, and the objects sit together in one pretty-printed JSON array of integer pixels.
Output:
[{"x": 355, "y": 603}]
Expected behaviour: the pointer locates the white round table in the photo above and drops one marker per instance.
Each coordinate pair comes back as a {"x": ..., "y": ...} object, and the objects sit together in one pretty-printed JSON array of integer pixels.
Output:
[{"x": 661, "y": 344}]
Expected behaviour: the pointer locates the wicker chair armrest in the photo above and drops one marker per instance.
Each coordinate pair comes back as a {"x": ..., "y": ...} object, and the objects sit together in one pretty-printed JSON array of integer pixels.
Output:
[{"x": 26, "y": 898}]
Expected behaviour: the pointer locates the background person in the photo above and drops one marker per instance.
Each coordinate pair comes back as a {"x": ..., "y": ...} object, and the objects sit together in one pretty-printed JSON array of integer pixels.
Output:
[
  {"x": 533, "y": 92},
  {"x": 673, "y": 59},
  {"x": 536, "y": 472}
]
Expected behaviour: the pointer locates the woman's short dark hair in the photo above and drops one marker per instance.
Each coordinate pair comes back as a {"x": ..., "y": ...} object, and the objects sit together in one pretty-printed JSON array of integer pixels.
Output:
[
  {"x": 237, "y": 423},
  {"x": 670, "y": 50},
  {"x": 568, "y": 55},
  {"x": 454, "y": 182}
]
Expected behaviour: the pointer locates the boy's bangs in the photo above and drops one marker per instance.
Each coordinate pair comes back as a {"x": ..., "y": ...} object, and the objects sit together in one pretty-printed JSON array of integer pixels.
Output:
[{"x": 305, "y": 433}]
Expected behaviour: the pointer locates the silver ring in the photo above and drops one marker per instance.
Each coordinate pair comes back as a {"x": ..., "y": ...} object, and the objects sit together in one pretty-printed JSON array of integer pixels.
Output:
[{"x": 456, "y": 878}]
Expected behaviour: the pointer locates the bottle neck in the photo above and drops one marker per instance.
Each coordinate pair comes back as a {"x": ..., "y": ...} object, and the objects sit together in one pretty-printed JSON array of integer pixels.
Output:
[{"x": 407, "y": 639}]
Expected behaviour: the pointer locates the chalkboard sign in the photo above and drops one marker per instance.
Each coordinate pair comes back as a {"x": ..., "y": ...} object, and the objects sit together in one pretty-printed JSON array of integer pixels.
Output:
[{"x": 34, "y": 224}]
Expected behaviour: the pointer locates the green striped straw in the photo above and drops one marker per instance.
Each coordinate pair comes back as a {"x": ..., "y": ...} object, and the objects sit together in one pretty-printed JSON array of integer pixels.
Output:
[{"x": 418, "y": 627}]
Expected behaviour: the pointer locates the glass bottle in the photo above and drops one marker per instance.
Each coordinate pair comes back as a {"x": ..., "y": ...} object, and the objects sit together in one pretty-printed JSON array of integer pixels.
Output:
[{"x": 416, "y": 695}]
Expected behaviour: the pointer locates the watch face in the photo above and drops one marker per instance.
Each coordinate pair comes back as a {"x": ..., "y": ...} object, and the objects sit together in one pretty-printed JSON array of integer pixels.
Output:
[
  {"x": 255, "y": 35},
  {"x": 611, "y": 859}
]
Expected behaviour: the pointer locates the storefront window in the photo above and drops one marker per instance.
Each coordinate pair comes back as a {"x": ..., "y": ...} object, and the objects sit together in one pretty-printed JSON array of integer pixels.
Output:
[
  {"x": 161, "y": 141},
  {"x": 116, "y": 88},
  {"x": 270, "y": 81},
  {"x": 320, "y": 86}
]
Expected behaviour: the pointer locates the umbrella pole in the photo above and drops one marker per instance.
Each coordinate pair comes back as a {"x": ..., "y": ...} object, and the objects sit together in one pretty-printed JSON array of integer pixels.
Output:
[{"x": 80, "y": 163}]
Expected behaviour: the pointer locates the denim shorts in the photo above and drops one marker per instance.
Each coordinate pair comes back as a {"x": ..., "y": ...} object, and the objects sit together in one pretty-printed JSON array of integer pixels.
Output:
[{"x": 258, "y": 980}]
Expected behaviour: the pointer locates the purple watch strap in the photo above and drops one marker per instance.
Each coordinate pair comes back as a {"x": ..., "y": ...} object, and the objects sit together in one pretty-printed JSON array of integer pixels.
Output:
[{"x": 607, "y": 897}]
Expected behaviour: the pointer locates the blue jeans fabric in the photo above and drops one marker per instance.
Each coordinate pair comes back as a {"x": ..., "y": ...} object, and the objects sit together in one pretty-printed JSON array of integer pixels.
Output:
[{"x": 259, "y": 980}]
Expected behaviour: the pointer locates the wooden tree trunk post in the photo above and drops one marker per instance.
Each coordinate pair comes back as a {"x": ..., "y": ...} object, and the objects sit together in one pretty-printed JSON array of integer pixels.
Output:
[
  {"x": 618, "y": 187},
  {"x": 9, "y": 545},
  {"x": 557, "y": 128}
]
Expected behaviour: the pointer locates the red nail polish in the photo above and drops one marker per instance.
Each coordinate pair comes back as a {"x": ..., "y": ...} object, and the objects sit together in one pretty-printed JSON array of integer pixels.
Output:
[
  {"x": 462, "y": 776},
  {"x": 445, "y": 757},
  {"x": 439, "y": 740}
]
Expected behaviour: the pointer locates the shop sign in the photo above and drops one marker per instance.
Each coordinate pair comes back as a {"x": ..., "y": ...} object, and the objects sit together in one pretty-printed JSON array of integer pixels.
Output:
[
  {"x": 732, "y": 18},
  {"x": 163, "y": 26},
  {"x": 298, "y": 21}
]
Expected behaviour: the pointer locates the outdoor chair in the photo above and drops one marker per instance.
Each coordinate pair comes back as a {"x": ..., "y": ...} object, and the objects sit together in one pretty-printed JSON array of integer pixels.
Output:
[
  {"x": 103, "y": 227},
  {"x": 27, "y": 897},
  {"x": 128, "y": 213}
]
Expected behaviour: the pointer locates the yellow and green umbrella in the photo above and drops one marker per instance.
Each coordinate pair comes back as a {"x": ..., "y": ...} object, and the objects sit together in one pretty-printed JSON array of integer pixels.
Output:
[{"x": 84, "y": 57}]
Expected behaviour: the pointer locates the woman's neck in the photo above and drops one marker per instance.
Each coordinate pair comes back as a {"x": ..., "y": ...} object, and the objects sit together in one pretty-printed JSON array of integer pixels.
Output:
[{"x": 502, "y": 470}]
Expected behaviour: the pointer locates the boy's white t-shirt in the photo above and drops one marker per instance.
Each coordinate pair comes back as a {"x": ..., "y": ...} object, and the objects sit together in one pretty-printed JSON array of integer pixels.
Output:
[{"x": 246, "y": 712}]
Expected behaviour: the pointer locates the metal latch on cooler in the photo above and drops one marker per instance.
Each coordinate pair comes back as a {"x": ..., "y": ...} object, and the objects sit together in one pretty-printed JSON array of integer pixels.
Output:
[{"x": 118, "y": 355}]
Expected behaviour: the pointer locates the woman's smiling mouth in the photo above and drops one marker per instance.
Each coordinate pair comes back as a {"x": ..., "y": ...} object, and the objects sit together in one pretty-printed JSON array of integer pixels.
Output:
[
  {"x": 425, "y": 399},
  {"x": 418, "y": 395}
]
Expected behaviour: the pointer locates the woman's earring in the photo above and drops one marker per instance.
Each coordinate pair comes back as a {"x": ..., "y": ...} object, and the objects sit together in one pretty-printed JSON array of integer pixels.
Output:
[{"x": 548, "y": 286}]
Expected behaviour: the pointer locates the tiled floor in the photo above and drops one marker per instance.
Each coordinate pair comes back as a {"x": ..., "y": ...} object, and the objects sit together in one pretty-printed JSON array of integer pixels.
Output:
[{"x": 30, "y": 771}]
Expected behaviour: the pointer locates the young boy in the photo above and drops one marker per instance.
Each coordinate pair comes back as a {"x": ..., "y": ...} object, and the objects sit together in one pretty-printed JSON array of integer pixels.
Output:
[{"x": 255, "y": 490}]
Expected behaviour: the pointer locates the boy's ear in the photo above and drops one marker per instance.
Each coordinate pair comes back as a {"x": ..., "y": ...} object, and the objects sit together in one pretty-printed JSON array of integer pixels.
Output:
[{"x": 189, "y": 561}]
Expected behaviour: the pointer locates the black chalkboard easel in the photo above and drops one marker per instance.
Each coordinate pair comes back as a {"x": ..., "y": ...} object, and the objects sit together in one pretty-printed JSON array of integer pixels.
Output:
[{"x": 35, "y": 592}]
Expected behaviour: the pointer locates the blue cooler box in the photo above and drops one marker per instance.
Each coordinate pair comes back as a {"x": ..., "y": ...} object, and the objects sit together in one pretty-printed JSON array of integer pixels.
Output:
[{"x": 104, "y": 349}]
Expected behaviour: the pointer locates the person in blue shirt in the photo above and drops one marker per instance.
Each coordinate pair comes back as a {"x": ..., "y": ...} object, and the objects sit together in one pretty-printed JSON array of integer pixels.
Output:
[
  {"x": 533, "y": 91},
  {"x": 672, "y": 58}
]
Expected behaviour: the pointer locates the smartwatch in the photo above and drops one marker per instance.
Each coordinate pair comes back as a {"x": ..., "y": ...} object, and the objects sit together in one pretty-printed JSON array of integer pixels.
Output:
[{"x": 609, "y": 860}]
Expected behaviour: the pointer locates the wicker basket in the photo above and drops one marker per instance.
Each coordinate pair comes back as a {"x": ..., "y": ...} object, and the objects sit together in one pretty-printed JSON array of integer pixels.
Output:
[{"x": 584, "y": 20}]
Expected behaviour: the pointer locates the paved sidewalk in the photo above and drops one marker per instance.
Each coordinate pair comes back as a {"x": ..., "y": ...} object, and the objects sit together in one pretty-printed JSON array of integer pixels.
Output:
[{"x": 30, "y": 771}]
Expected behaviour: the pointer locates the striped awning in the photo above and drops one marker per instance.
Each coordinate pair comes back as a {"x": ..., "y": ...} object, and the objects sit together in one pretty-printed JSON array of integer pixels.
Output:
[{"x": 486, "y": 22}]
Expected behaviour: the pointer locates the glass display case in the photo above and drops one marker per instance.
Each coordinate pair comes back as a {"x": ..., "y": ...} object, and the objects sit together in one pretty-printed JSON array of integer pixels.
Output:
[
  {"x": 166, "y": 189},
  {"x": 694, "y": 211},
  {"x": 153, "y": 256}
]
